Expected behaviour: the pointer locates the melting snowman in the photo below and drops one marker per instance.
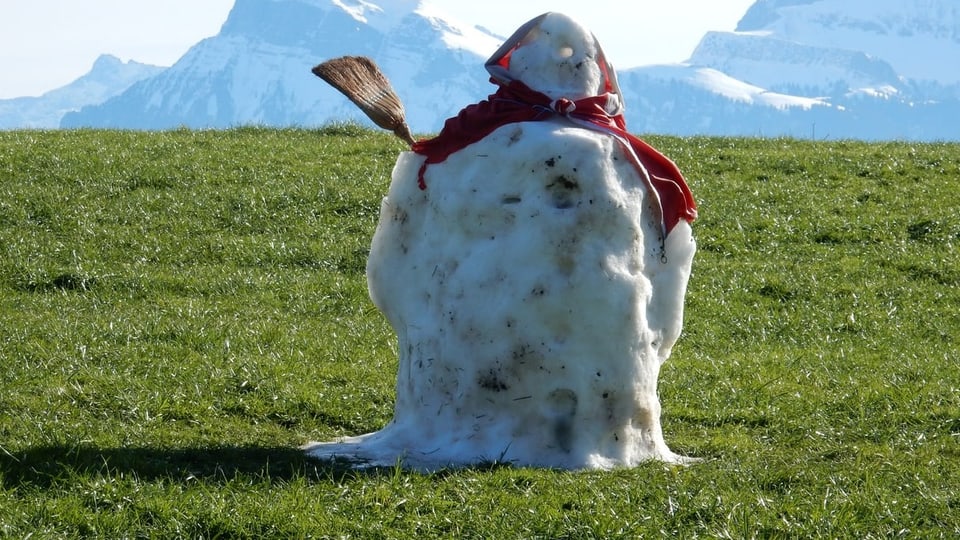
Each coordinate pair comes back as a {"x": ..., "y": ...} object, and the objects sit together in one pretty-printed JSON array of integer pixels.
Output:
[{"x": 533, "y": 260}]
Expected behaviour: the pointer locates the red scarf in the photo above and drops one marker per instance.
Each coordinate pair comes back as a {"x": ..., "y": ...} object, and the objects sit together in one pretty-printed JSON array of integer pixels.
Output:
[{"x": 516, "y": 102}]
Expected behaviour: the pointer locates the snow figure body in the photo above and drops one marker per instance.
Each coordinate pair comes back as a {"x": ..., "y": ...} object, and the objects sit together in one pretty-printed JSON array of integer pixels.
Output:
[{"x": 535, "y": 275}]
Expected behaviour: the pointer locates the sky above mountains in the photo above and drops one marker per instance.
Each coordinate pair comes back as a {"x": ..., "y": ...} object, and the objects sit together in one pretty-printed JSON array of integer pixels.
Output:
[{"x": 49, "y": 43}]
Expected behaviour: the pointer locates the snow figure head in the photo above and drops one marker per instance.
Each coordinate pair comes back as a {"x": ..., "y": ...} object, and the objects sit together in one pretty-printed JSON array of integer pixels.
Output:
[
  {"x": 534, "y": 268},
  {"x": 555, "y": 55}
]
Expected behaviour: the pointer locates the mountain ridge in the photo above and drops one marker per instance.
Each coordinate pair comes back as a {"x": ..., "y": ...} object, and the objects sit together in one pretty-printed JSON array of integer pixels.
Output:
[
  {"x": 257, "y": 69},
  {"x": 790, "y": 68},
  {"x": 108, "y": 77},
  {"x": 891, "y": 30}
]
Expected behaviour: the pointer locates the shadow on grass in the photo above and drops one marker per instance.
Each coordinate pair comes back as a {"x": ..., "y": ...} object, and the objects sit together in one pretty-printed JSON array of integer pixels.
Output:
[{"x": 43, "y": 466}]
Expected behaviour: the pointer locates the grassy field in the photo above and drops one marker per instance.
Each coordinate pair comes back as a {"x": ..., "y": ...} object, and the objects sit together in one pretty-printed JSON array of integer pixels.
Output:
[{"x": 180, "y": 310}]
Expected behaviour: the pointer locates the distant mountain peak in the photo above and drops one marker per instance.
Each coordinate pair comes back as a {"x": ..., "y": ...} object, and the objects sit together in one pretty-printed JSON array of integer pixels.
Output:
[
  {"x": 375, "y": 15},
  {"x": 106, "y": 61},
  {"x": 765, "y": 12},
  {"x": 108, "y": 77}
]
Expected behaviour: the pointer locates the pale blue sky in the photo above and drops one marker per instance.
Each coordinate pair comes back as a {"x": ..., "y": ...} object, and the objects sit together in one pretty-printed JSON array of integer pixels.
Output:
[{"x": 45, "y": 44}]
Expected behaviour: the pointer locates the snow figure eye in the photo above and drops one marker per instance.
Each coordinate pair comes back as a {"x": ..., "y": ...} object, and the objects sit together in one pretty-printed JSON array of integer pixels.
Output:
[{"x": 565, "y": 52}]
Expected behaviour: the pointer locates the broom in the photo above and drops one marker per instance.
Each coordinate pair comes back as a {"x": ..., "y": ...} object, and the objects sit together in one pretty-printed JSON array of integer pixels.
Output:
[{"x": 358, "y": 78}]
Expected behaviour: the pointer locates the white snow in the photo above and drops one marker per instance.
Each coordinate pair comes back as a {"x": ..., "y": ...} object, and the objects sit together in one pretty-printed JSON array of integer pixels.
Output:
[
  {"x": 531, "y": 306},
  {"x": 531, "y": 289},
  {"x": 357, "y": 10},
  {"x": 720, "y": 83},
  {"x": 386, "y": 15},
  {"x": 457, "y": 35},
  {"x": 878, "y": 92}
]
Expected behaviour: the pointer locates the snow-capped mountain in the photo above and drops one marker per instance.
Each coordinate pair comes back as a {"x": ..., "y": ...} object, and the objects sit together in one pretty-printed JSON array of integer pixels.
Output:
[
  {"x": 866, "y": 69},
  {"x": 109, "y": 77},
  {"x": 837, "y": 47},
  {"x": 257, "y": 69},
  {"x": 918, "y": 39},
  {"x": 793, "y": 67}
]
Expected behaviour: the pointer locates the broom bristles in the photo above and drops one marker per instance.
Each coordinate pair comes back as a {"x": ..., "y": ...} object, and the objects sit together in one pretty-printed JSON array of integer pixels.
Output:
[{"x": 359, "y": 78}]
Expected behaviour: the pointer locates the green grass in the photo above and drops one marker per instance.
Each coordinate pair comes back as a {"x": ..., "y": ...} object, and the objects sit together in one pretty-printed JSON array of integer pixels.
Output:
[{"x": 180, "y": 310}]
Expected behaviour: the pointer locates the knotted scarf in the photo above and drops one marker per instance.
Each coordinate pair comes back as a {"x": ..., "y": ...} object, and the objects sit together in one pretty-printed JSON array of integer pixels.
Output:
[{"x": 516, "y": 102}]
